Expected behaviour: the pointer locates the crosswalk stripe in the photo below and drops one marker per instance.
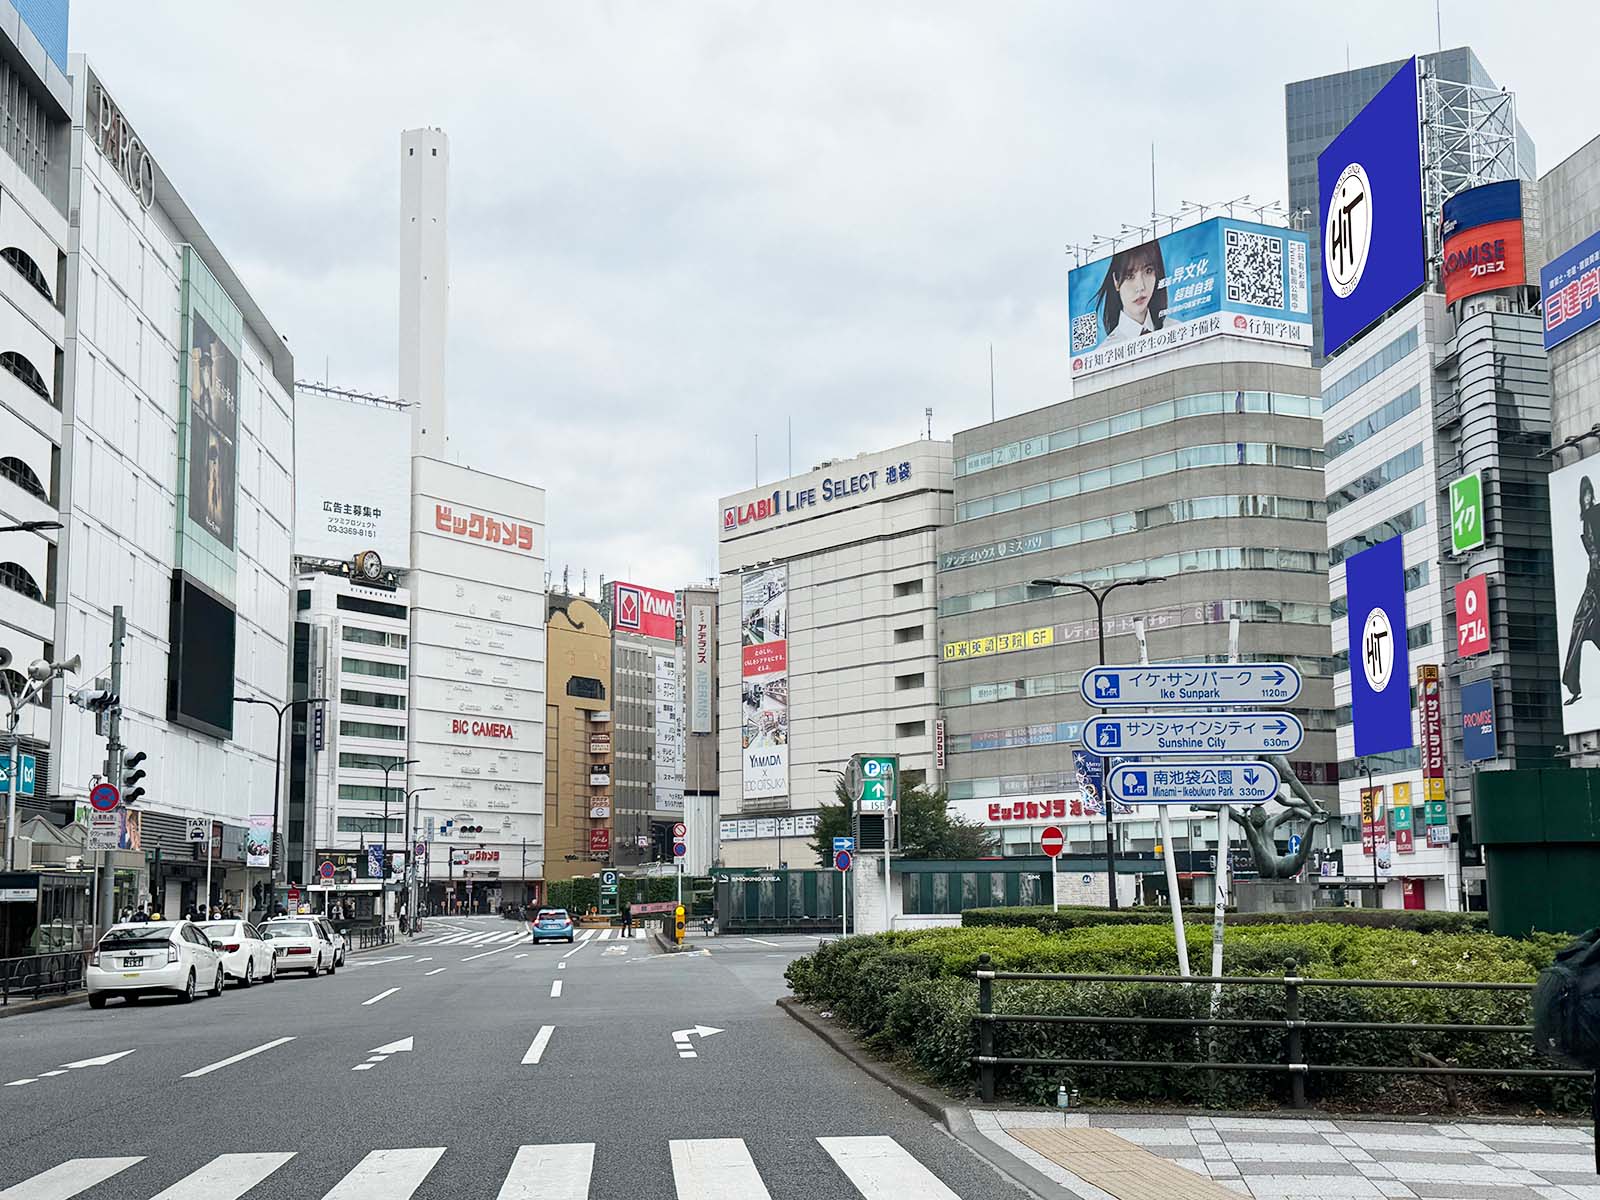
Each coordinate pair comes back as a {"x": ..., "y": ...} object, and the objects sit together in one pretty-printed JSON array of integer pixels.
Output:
[
  {"x": 604, "y": 934},
  {"x": 70, "y": 1178},
  {"x": 386, "y": 1175},
  {"x": 587, "y": 934},
  {"x": 550, "y": 1173},
  {"x": 882, "y": 1169},
  {"x": 225, "y": 1177},
  {"x": 715, "y": 1169}
]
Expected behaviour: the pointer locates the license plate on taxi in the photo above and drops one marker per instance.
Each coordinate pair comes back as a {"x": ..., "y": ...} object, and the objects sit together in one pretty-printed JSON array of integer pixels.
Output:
[{"x": 133, "y": 962}]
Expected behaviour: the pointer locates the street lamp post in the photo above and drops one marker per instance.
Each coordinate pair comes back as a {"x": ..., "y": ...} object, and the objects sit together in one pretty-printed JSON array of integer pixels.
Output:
[
  {"x": 1098, "y": 595},
  {"x": 277, "y": 778},
  {"x": 40, "y": 673},
  {"x": 411, "y": 860},
  {"x": 383, "y": 876}
]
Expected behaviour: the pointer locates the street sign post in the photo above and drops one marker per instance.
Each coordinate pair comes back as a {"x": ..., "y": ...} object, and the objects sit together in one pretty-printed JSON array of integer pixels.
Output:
[
  {"x": 1466, "y": 512},
  {"x": 680, "y": 831},
  {"x": 1197, "y": 782},
  {"x": 679, "y": 849},
  {"x": 842, "y": 861},
  {"x": 105, "y": 797},
  {"x": 1153, "y": 685},
  {"x": 877, "y": 780},
  {"x": 843, "y": 858},
  {"x": 1052, "y": 843},
  {"x": 27, "y": 768},
  {"x": 843, "y": 843},
  {"x": 1195, "y": 733}
]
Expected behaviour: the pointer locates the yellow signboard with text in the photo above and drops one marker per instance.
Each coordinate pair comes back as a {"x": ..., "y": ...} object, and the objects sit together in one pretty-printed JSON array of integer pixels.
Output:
[{"x": 1000, "y": 643}]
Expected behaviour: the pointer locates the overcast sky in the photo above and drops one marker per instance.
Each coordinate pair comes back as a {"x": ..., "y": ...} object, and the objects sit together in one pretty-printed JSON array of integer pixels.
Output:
[{"x": 674, "y": 226}]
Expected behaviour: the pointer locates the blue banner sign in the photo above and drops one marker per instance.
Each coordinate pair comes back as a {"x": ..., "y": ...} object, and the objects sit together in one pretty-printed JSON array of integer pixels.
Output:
[
  {"x": 1195, "y": 733},
  {"x": 1380, "y": 664},
  {"x": 1477, "y": 720},
  {"x": 1156, "y": 684},
  {"x": 1571, "y": 289},
  {"x": 1194, "y": 783}
]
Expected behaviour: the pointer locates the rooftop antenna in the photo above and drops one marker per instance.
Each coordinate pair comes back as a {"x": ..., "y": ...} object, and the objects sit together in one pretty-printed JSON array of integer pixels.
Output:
[
  {"x": 991, "y": 383},
  {"x": 585, "y": 589},
  {"x": 1438, "y": 21},
  {"x": 928, "y": 412},
  {"x": 566, "y": 580},
  {"x": 791, "y": 443},
  {"x": 758, "y": 460},
  {"x": 1153, "y": 213}
]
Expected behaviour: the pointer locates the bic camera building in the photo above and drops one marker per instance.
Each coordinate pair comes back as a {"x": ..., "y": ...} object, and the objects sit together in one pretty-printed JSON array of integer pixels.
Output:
[{"x": 1191, "y": 453}]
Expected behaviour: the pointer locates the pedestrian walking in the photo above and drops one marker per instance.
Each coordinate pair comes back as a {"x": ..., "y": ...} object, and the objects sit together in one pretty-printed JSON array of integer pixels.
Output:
[{"x": 627, "y": 920}]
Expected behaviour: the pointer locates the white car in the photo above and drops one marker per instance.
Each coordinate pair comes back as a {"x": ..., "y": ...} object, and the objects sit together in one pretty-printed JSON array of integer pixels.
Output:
[
  {"x": 153, "y": 956},
  {"x": 340, "y": 945},
  {"x": 246, "y": 955},
  {"x": 301, "y": 944}
]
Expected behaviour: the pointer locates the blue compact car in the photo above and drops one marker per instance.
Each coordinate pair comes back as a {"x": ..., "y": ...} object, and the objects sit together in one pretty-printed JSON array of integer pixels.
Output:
[{"x": 551, "y": 925}]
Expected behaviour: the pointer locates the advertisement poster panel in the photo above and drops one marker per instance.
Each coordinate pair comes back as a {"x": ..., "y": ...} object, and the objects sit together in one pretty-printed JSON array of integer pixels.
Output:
[
  {"x": 1380, "y": 695},
  {"x": 1570, "y": 285},
  {"x": 1369, "y": 185},
  {"x": 352, "y": 479},
  {"x": 1472, "y": 616},
  {"x": 700, "y": 668},
  {"x": 645, "y": 610},
  {"x": 1218, "y": 277},
  {"x": 213, "y": 431},
  {"x": 1430, "y": 719},
  {"x": 1575, "y": 542},
  {"x": 669, "y": 736},
  {"x": 258, "y": 841},
  {"x": 1477, "y": 720},
  {"x": 1482, "y": 240},
  {"x": 764, "y": 682}
]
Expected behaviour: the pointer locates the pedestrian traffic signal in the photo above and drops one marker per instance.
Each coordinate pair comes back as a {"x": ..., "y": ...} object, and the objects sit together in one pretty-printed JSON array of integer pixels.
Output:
[{"x": 131, "y": 775}]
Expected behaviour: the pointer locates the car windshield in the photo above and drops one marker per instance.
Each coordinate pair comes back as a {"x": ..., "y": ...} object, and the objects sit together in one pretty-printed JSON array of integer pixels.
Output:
[
  {"x": 222, "y": 928},
  {"x": 288, "y": 929},
  {"x": 138, "y": 938}
]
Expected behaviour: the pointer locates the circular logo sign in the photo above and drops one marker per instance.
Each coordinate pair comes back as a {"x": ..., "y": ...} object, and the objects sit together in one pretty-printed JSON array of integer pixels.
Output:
[
  {"x": 1347, "y": 230},
  {"x": 104, "y": 797},
  {"x": 1377, "y": 649},
  {"x": 680, "y": 830}
]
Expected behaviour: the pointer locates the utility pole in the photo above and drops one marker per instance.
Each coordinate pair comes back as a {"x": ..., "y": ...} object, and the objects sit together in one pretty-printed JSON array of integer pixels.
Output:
[{"x": 113, "y": 772}]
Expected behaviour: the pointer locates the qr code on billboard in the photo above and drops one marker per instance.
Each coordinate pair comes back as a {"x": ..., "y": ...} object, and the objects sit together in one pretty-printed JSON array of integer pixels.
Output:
[
  {"x": 1085, "y": 329},
  {"x": 1253, "y": 268}
]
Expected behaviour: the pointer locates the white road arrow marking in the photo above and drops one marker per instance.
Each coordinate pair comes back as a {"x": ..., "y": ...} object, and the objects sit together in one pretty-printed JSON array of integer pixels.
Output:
[
  {"x": 97, "y": 1062},
  {"x": 680, "y": 1038},
  {"x": 399, "y": 1047}
]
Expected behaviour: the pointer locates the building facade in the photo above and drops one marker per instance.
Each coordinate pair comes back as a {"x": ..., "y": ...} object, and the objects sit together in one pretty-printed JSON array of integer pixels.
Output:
[
  {"x": 35, "y": 102},
  {"x": 826, "y": 644},
  {"x": 578, "y": 738},
  {"x": 177, "y": 450},
  {"x": 1202, "y": 479}
]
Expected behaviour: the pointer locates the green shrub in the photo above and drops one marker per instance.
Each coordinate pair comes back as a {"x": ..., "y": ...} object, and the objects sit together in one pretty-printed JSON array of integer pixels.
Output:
[
  {"x": 1417, "y": 921},
  {"x": 911, "y": 995}
]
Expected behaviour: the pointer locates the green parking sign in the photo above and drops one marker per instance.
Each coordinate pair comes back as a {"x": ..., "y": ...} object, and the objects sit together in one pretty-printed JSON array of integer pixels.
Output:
[
  {"x": 875, "y": 781},
  {"x": 1466, "y": 512}
]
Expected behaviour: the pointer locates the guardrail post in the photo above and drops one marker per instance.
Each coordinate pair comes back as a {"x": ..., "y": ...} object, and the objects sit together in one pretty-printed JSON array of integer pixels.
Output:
[
  {"x": 1297, "y": 1048},
  {"x": 985, "y": 1029}
]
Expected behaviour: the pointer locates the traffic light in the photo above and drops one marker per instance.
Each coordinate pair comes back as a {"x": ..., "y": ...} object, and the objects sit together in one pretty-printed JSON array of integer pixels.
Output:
[
  {"x": 469, "y": 829},
  {"x": 131, "y": 775}
]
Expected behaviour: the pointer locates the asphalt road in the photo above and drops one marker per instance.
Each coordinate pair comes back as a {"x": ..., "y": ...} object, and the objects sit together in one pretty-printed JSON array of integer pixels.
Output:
[{"x": 321, "y": 1115}]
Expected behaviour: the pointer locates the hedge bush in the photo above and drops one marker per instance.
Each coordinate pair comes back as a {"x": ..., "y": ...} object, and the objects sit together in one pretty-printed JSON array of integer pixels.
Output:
[
  {"x": 911, "y": 997},
  {"x": 1418, "y": 921}
]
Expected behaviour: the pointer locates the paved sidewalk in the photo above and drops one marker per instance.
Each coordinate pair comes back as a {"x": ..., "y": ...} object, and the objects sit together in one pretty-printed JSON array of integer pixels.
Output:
[{"x": 1304, "y": 1159}]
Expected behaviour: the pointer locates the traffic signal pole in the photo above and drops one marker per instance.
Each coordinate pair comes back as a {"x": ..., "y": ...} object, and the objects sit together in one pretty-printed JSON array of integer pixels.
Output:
[{"x": 108, "y": 892}]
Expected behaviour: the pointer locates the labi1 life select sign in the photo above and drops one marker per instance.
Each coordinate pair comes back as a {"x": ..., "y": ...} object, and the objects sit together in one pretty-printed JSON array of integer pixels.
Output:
[
  {"x": 1369, "y": 182},
  {"x": 1380, "y": 669}
]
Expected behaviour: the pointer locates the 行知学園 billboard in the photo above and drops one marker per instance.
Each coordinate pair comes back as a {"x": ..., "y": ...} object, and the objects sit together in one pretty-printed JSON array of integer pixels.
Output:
[
  {"x": 764, "y": 682},
  {"x": 1220, "y": 277}
]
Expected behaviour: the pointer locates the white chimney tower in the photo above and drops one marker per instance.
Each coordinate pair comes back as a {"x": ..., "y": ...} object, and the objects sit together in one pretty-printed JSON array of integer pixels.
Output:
[{"x": 424, "y": 285}]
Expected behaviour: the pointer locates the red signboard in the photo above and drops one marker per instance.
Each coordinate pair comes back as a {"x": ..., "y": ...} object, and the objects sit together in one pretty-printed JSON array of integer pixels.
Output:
[
  {"x": 1051, "y": 841},
  {"x": 1484, "y": 258},
  {"x": 474, "y": 728},
  {"x": 647, "y": 611},
  {"x": 768, "y": 658},
  {"x": 1430, "y": 706},
  {"x": 1472, "y": 616},
  {"x": 1057, "y": 808},
  {"x": 599, "y": 841},
  {"x": 1402, "y": 841},
  {"x": 505, "y": 532}
]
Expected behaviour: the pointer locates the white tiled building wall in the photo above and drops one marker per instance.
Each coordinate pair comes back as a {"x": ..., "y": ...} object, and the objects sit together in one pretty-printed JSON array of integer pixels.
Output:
[{"x": 1427, "y": 314}]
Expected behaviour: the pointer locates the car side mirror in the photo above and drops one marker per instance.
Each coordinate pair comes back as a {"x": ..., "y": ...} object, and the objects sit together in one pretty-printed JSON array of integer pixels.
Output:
[{"x": 216, "y": 945}]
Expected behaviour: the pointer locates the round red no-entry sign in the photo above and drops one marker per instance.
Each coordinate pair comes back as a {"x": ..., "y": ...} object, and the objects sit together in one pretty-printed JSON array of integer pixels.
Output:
[{"x": 1051, "y": 841}]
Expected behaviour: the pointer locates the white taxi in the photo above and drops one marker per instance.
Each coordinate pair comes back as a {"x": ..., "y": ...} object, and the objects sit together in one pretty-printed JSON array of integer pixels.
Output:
[
  {"x": 140, "y": 957},
  {"x": 246, "y": 955},
  {"x": 301, "y": 944}
]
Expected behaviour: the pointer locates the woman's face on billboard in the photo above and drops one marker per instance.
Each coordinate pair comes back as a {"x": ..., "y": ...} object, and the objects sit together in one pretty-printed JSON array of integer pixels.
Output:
[{"x": 1136, "y": 289}]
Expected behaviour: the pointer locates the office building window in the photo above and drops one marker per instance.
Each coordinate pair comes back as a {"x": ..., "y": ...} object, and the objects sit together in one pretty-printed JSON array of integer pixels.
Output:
[
  {"x": 368, "y": 762},
  {"x": 908, "y": 633},
  {"x": 1365, "y": 373},
  {"x": 1397, "y": 525},
  {"x": 904, "y": 683},
  {"x": 1400, "y": 465},
  {"x": 369, "y": 824},
  {"x": 908, "y": 587},
  {"x": 1370, "y": 426},
  {"x": 372, "y": 699},
  {"x": 371, "y": 729},
  {"x": 374, "y": 637},
  {"x": 379, "y": 670}
]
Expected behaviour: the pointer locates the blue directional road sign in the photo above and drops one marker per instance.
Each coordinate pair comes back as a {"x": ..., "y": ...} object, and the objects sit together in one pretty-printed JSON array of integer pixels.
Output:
[
  {"x": 25, "y": 768},
  {"x": 1295, "y": 842},
  {"x": 1155, "y": 684},
  {"x": 843, "y": 843},
  {"x": 1194, "y": 733},
  {"x": 1201, "y": 782}
]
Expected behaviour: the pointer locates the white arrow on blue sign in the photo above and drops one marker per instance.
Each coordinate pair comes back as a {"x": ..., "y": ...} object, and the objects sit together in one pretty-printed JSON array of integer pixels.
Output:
[
  {"x": 843, "y": 843},
  {"x": 1157, "y": 684},
  {"x": 1186, "y": 782},
  {"x": 1195, "y": 733}
]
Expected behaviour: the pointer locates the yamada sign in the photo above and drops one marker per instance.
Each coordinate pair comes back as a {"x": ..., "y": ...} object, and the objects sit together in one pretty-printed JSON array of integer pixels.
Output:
[{"x": 646, "y": 611}]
